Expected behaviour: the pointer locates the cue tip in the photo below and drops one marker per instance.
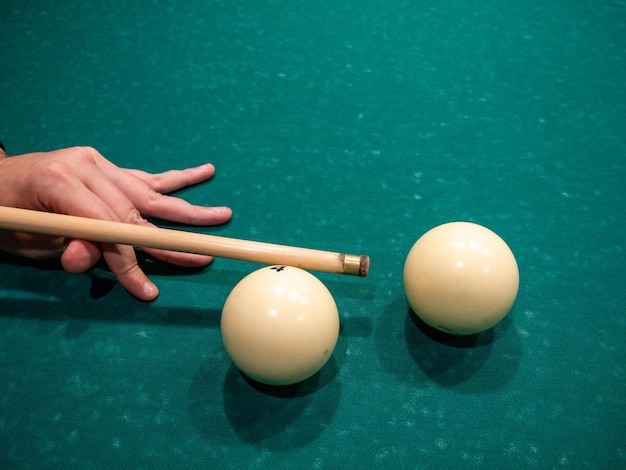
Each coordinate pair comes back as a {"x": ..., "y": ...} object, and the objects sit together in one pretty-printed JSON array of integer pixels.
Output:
[{"x": 364, "y": 265}]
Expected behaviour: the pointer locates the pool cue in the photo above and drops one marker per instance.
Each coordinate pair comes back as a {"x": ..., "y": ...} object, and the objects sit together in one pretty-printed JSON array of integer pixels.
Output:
[{"x": 104, "y": 231}]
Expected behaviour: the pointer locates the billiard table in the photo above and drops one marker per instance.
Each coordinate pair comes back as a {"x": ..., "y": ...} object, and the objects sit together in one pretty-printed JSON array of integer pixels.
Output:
[{"x": 350, "y": 126}]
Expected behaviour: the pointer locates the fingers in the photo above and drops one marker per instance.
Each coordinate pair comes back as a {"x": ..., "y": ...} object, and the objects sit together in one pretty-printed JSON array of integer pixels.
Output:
[
  {"x": 128, "y": 196},
  {"x": 145, "y": 191},
  {"x": 174, "y": 180},
  {"x": 166, "y": 207},
  {"x": 122, "y": 259},
  {"x": 154, "y": 204},
  {"x": 94, "y": 195},
  {"x": 123, "y": 262},
  {"x": 80, "y": 255},
  {"x": 185, "y": 260},
  {"x": 134, "y": 193}
]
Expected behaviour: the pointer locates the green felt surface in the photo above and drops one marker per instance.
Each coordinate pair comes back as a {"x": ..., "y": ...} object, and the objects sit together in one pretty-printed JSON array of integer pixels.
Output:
[{"x": 349, "y": 126}]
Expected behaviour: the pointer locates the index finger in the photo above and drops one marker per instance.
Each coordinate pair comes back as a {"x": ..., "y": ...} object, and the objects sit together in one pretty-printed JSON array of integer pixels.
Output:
[{"x": 173, "y": 180}]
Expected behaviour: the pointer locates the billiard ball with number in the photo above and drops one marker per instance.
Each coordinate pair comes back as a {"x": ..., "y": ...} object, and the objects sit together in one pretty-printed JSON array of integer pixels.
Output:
[{"x": 280, "y": 325}]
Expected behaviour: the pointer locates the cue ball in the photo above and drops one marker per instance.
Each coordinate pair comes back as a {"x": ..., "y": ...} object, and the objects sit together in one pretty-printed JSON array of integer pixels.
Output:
[
  {"x": 280, "y": 325},
  {"x": 461, "y": 278}
]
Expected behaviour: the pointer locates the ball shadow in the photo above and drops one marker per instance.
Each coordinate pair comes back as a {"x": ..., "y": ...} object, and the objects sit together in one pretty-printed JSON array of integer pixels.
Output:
[
  {"x": 205, "y": 401},
  {"x": 278, "y": 418},
  {"x": 478, "y": 363},
  {"x": 281, "y": 418}
]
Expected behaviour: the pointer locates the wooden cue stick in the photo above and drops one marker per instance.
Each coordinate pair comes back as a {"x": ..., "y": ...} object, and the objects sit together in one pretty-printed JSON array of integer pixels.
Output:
[{"x": 96, "y": 230}]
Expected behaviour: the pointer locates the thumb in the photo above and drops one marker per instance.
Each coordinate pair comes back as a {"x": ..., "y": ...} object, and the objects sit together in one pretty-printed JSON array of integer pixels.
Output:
[{"x": 79, "y": 256}]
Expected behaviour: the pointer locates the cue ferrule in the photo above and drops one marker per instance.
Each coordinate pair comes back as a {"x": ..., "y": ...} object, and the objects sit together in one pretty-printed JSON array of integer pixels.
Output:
[{"x": 356, "y": 265}]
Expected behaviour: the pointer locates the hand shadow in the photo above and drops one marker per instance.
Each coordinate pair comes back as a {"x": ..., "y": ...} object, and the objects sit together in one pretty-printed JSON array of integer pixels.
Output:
[{"x": 41, "y": 290}]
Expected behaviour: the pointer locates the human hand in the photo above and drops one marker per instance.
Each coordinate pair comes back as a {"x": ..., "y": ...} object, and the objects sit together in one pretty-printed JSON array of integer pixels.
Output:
[{"x": 80, "y": 181}]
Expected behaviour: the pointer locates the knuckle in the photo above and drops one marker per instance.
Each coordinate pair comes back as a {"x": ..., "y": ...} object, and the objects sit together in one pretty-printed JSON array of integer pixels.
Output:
[
  {"x": 153, "y": 195},
  {"x": 50, "y": 171},
  {"x": 134, "y": 217},
  {"x": 154, "y": 181},
  {"x": 128, "y": 270},
  {"x": 60, "y": 165},
  {"x": 83, "y": 155},
  {"x": 152, "y": 199}
]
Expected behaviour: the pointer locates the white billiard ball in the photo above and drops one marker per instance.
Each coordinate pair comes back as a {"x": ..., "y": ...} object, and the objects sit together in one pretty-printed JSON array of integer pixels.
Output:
[
  {"x": 461, "y": 278},
  {"x": 280, "y": 325}
]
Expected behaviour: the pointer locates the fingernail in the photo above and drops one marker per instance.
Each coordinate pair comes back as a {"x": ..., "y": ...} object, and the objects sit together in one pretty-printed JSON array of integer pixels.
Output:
[
  {"x": 222, "y": 210},
  {"x": 150, "y": 290}
]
